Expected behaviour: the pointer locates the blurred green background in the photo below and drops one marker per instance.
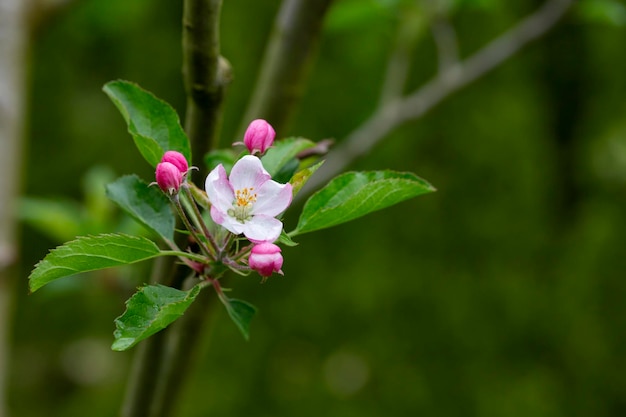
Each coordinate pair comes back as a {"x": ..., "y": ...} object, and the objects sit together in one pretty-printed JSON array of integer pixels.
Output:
[{"x": 500, "y": 295}]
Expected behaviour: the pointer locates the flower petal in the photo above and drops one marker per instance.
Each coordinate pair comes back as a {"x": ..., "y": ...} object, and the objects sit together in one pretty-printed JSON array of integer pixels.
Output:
[
  {"x": 233, "y": 225},
  {"x": 219, "y": 190},
  {"x": 262, "y": 229},
  {"x": 248, "y": 172},
  {"x": 272, "y": 198}
]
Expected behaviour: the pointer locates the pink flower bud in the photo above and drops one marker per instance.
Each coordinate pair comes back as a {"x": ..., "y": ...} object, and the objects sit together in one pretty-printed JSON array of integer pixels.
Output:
[
  {"x": 168, "y": 177},
  {"x": 259, "y": 136},
  {"x": 265, "y": 258},
  {"x": 177, "y": 159}
]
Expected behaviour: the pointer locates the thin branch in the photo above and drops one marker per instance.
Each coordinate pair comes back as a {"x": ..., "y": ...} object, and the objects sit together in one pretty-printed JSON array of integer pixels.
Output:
[
  {"x": 206, "y": 75},
  {"x": 286, "y": 63},
  {"x": 445, "y": 39},
  {"x": 409, "y": 31},
  {"x": 414, "y": 106}
]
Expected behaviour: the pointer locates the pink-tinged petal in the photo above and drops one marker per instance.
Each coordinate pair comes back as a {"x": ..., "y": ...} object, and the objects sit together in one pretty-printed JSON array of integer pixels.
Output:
[
  {"x": 248, "y": 172},
  {"x": 259, "y": 136},
  {"x": 272, "y": 198},
  {"x": 217, "y": 215},
  {"x": 262, "y": 229},
  {"x": 218, "y": 189},
  {"x": 168, "y": 177},
  {"x": 265, "y": 258}
]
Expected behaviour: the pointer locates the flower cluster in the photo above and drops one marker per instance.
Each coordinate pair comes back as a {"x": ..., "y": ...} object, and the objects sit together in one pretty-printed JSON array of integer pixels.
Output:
[{"x": 245, "y": 202}]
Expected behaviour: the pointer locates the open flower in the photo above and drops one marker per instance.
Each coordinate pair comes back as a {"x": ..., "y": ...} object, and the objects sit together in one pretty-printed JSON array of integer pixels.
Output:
[{"x": 248, "y": 201}]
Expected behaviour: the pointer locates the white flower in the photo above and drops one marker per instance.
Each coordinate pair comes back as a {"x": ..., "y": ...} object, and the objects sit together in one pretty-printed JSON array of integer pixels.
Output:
[{"x": 248, "y": 201}]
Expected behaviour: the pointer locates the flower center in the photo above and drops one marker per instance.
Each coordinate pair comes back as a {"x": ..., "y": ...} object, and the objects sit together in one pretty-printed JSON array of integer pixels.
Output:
[{"x": 243, "y": 203}]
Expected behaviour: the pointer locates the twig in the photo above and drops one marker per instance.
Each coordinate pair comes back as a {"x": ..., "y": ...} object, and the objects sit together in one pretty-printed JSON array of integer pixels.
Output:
[
  {"x": 408, "y": 32},
  {"x": 395, "y": 112},
  {"x": 444, "y": 36},
  {"x": 287, "y": 59}
]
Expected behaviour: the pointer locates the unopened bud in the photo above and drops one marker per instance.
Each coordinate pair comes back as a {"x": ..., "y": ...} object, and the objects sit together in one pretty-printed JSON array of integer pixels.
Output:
[
  {"x": 168, "y": 177},
  {"x": 259, "y": 136},
  {"x": 177, "y": 159},
  {"x": 265, "y": 258}
]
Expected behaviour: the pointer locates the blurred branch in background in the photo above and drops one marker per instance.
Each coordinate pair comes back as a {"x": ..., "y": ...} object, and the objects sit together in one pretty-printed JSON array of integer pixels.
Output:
[
  {"x": 451, "y": 77},
  {"x": 286, "y": 63},
  {"x": 13, "y": 69}
]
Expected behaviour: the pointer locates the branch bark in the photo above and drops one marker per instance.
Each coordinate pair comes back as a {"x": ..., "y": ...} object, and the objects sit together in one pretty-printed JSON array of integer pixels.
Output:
[
  {"x": 206, "y": 75},
  {"x": 396, "y": 112},
  {"x": 286, "y": 63}
]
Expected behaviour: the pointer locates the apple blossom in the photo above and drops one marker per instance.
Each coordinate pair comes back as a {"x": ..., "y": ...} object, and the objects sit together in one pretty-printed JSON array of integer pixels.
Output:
[
  {"x": 265, "y": 258},
  {"x": 248, "y": 201},
  {"x": 259, "y": 136}
]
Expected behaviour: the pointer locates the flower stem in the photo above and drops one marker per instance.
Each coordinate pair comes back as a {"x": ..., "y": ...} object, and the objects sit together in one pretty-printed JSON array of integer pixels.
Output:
[
  {"x": 201, "y": 222},
  {"x": 192, "y": 230}
]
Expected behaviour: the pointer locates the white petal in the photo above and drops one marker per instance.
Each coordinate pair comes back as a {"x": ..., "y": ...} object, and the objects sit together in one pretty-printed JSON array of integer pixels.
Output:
[
  {"x": 233, "y": 225},
  {"x": 262, "y": 229},
  {"x": 272, "y": 198},
  {"x": 248, "y": 172},
  {"x": 219, "y": 190}
]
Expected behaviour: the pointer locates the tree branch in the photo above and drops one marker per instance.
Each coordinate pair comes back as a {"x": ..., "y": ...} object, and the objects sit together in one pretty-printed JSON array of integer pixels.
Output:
[
  {"x": 181, "y": 349},
  {"x": 142, "y": 381},
  {"x": 393, "y": 113},
  {"x": 162, "y": 361},
  {"x": 206, "y": 75},
  {"x": 286, "y": 63}
]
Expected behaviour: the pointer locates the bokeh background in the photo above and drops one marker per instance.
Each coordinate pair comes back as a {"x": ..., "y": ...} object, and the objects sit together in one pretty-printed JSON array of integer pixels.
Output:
[{"x": 500, "y": 295}]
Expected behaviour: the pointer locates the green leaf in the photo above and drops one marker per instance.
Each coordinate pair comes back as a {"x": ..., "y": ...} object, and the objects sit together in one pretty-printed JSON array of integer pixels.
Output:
[
  {"x": 153, "y": 124},
  {"x": 301, "y": 177},
  {"x": 355, "y": 194},
  {"x": 285, "y": 239},
  {"x": 148, "y": 311},
  {"x": 609, "y": 12},
  {"x": 282, "y": 152},
  {"x": 89, "y": 253},
  {"x": 148, "y": 205},
  {"x": 226, "y": 157},
  {"x": 357, "y": 14},
  {"x": 58, "y": 219},
  {"x": 97, "y": 205},
  {"x": 241, "y": 312}
]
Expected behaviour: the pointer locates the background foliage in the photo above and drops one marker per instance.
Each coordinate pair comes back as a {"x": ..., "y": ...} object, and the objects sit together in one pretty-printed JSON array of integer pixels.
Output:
[{"x": 499, "y": 295}]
